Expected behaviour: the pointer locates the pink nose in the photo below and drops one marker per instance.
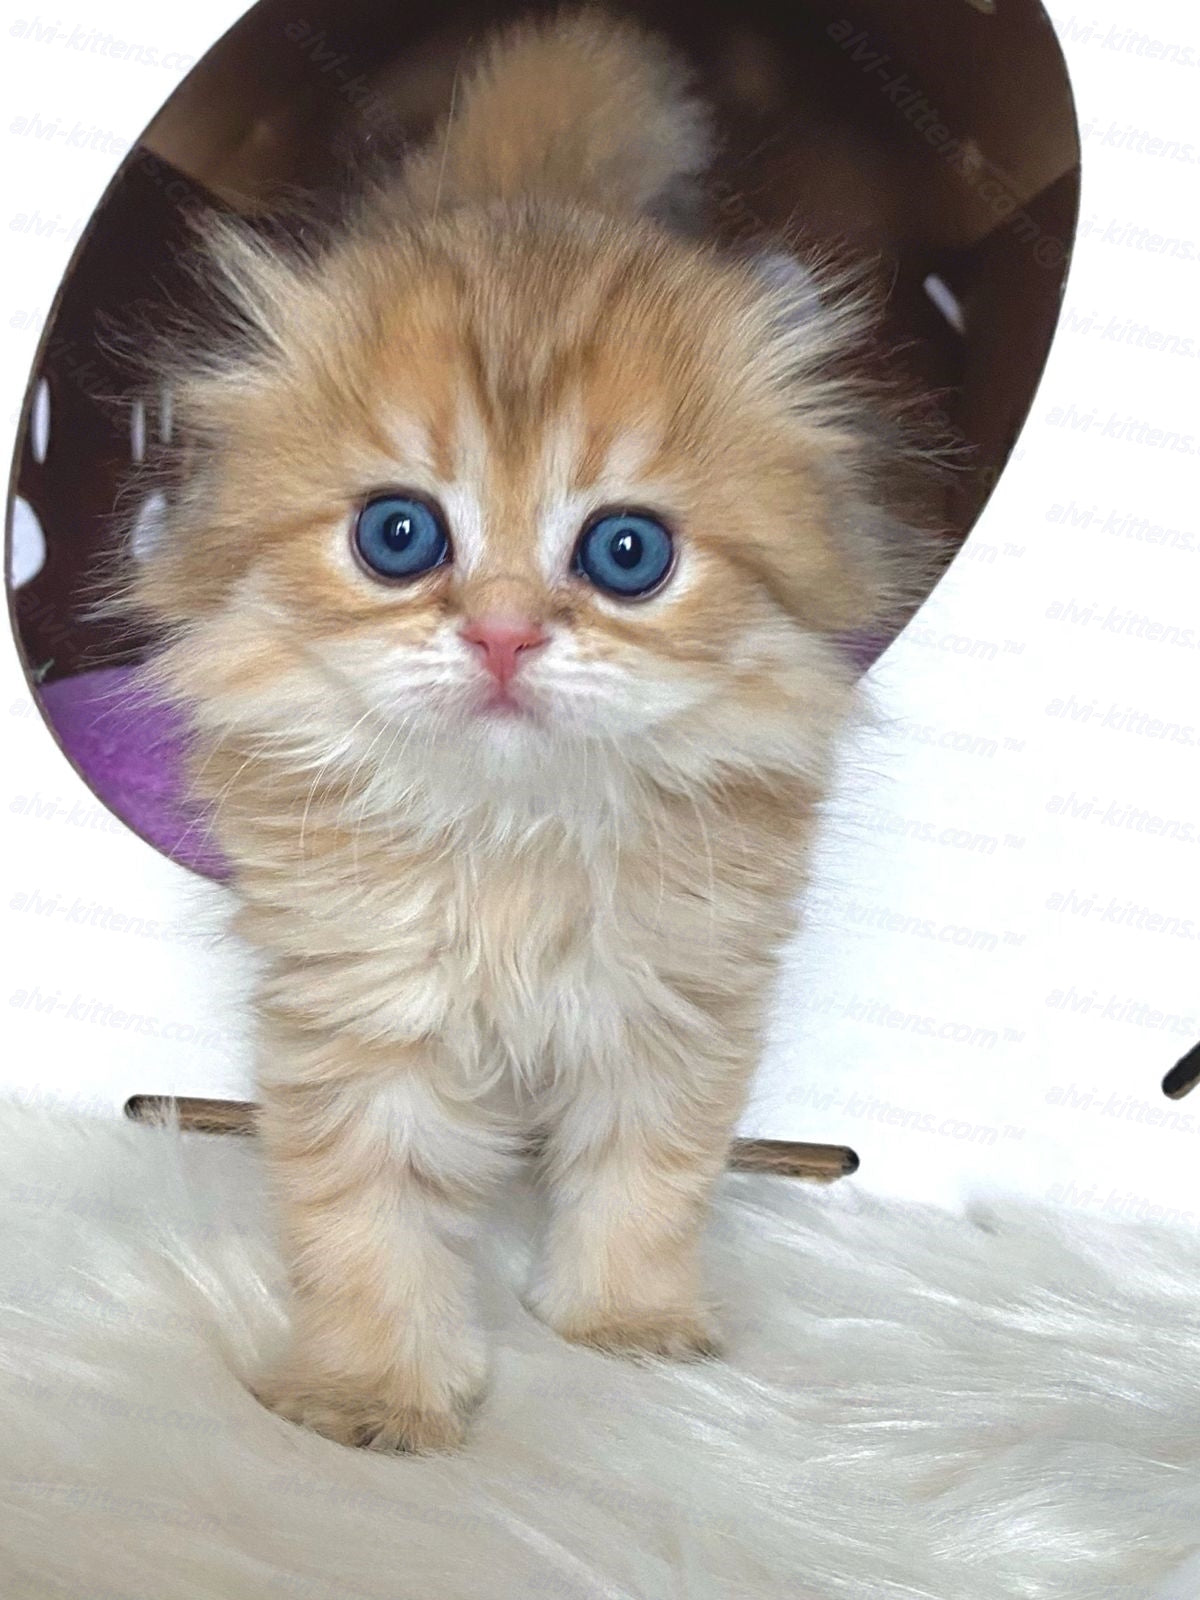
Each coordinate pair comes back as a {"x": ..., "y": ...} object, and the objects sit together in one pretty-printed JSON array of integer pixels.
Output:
[{"x": 501, "y": 641}]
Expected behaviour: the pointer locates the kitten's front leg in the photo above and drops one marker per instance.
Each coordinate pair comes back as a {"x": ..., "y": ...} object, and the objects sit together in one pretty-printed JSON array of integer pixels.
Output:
[
  {"x": 631, "y": 1164},
  {"x": 374, "y": 1175}
]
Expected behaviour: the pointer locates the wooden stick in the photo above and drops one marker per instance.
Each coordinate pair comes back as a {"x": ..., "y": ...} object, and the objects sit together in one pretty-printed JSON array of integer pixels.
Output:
[
  {"x": 194, "y": 1115},
  {"x": 818, "y": 1163}
]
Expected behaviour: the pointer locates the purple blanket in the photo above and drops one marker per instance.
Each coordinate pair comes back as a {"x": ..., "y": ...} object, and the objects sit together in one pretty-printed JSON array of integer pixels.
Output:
[{"x": 129, "y": 748}]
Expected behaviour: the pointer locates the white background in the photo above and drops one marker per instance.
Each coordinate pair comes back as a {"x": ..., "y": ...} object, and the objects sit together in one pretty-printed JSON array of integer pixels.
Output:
[{"x": 916, "y": 1017}]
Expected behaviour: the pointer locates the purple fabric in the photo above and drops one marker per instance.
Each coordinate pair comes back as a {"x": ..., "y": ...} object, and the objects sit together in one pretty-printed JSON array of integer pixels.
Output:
[
  {"x": 129, "y": 748},
  {"x": 864, "y": 649}
]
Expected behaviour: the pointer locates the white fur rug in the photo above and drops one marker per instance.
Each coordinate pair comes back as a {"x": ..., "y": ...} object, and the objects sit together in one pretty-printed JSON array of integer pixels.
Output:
[{"x": 917, "y": 1407}]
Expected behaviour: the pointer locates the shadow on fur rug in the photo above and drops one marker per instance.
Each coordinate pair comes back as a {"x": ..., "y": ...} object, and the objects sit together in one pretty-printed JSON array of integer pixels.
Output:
[{"x": 916, "y": 1405}]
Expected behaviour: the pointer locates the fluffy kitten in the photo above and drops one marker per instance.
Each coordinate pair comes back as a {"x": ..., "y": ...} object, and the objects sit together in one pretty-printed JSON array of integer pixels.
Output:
[{"x": 504, "y": 597}]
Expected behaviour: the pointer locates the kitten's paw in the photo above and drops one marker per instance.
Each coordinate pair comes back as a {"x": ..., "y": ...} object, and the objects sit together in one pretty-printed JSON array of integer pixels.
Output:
[
  {"x": 669, "y": 1335},
  {"x": 383, "y": 1415}
]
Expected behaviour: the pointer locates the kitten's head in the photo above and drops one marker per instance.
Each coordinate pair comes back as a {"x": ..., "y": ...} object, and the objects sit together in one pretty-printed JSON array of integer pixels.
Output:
[{"x": 514, "y": 501}]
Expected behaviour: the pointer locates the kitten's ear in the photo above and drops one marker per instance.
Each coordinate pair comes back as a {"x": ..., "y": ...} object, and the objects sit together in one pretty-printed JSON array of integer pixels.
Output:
[
  {"x": 794, "y": 286},
  {"x": 243, "y": 319},
  {"x": 868, "y": 565},
  {"x": 255, "y": 279},
  {"x": 816, "y": 317},
  {"x": 583, "y": 107}
]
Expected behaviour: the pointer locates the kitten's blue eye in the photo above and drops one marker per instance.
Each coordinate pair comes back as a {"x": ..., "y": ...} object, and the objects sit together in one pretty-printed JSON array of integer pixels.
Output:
[
  {"x": 401, "y": 536},
  {"x": 625, "y": 553}
]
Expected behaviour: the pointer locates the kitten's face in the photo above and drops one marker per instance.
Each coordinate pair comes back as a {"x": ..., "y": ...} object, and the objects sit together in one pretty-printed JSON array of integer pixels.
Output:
[{"x": 513, "y": 502}]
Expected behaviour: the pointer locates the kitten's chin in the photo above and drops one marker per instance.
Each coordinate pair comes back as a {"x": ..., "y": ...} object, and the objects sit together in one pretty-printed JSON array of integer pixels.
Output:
[
  {"x": 510, "y": 725},
  {"x": 503, "y": 705}
]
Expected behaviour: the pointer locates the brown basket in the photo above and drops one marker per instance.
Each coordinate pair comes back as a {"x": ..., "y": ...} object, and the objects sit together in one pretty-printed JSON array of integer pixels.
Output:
[{"x": 815, "y": 138}]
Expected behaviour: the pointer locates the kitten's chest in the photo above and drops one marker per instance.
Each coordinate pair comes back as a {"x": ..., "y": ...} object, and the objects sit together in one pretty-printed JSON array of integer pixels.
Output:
[
  {"x": 559, "y": 955},
  {"x": 484, "y": 949},
  {"x": 529, "y": 939},
  {"x": 536, "y": 952}
]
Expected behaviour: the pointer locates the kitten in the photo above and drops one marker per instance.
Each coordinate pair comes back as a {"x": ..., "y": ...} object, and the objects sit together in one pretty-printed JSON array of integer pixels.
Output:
[{"x": 504, "y": 597}]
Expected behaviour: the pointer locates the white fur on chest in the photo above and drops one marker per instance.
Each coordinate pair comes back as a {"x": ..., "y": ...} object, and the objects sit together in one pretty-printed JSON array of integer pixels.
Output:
[
  {"x": 534, "y": 948},
  {"x": 529, "y": 959}
]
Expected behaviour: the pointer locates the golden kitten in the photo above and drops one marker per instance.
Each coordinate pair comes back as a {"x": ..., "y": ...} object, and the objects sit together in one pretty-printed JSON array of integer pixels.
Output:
[{"x": 504, "y": 596}]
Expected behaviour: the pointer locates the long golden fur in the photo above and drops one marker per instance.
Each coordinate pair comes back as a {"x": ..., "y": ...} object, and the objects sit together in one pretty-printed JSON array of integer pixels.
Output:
[{"x": 482, "y": 932}]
